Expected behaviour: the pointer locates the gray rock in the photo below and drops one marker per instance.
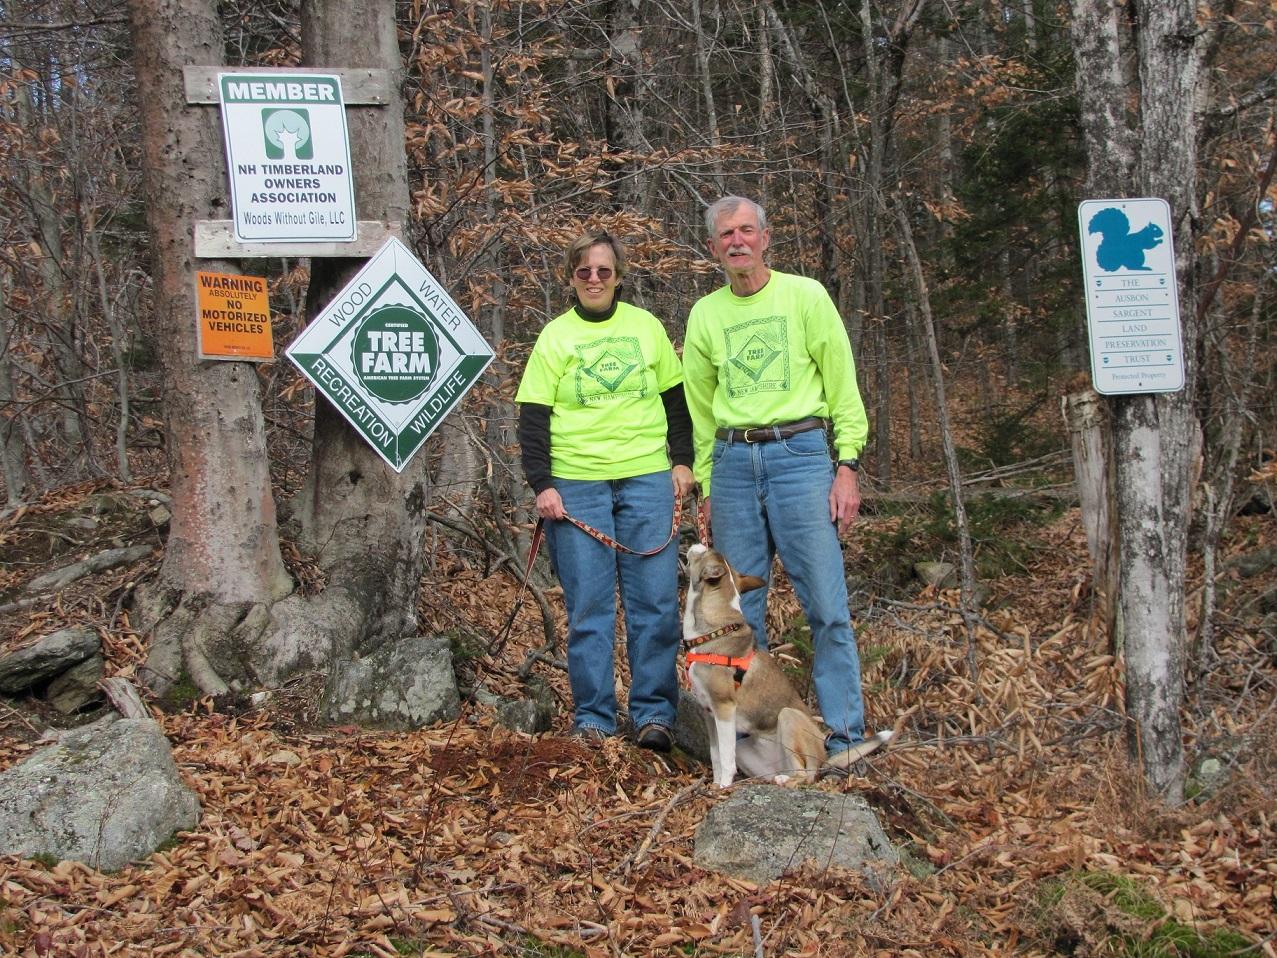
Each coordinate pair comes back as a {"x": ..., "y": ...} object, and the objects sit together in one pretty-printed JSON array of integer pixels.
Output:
[
  {"x": 691, "y": 734},
  {"x": 1207, "y": 777},
  {"x": 104, "y": 503},
  {"x": 1255, "y": 562},
  {"x": 532, "y": 714},
  {"x": 160, "y": 516},
  {"x": 1268, "y": 632},
  {"x": 526, "y": 715},
  {"x": 105, "y": 795},
  {"x": 50, "y": 656},
  {"x": 943, "y": 575},
  {"x": 59, "y": 578},
  {"x": 763, "y": 831},
  {"x": 403, "y": 686},
  {"x": 77, "y": 686},
  {"x": 893, "y": 572}
]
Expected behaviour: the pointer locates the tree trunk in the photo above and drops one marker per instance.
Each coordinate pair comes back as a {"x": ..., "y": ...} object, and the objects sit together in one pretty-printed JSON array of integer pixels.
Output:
[
  {"x": 13, "y": 448},
  {"x": 225, "y": 613},
  {"x": 1091, "y": 435},
  {"x": 57, "y": 294},
  {"x": 223, "y": 549},
  {"x": 1152, "y": 617},
  {"x": 1219, "y": 488},
  {"x": 966, "y": 554},
  {"x": 1154, "y": 435},
  {"x": 884, "y": 45},
  {"x": 766, "y": 95},
  {"x": 1102, "y": 95},
  {"x": 914, "y": 385},
  {"x": 364, "y": 521},
  {"x": 625, "y": 116},
  {"x": 119, "y": 354},
  {"x": 707, "y": 93}
]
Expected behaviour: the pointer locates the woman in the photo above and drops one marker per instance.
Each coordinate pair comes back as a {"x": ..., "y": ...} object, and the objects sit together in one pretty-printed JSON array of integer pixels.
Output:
[{"x": 601, "y": 402}]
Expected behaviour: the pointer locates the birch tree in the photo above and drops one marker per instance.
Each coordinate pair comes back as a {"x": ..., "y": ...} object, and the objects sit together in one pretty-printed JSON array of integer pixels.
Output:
[{"x": 1150, "y": 151}]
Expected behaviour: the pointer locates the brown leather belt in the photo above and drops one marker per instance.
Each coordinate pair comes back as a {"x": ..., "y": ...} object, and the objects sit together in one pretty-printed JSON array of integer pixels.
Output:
[{"x": 782, "y": 430}]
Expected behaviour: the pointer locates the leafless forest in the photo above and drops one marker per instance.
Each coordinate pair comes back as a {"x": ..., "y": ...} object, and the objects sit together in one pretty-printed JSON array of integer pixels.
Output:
[{"x": 924, "y": 159}]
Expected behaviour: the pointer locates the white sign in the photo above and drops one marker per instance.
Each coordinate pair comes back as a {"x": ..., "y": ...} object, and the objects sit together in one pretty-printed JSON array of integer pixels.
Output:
[
  {"x": 393, "y": 353},
  {"x": 1132, "y": 299},
  {"x": 288, "y": 154}
]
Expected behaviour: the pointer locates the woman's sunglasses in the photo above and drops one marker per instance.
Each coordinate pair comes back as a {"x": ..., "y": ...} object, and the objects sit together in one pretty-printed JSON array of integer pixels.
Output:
[{"x": 584, "y": 272}]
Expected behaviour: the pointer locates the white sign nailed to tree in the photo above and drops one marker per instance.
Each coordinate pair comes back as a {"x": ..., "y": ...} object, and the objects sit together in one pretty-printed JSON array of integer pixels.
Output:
[
  {"x": 288, "y": 154},
  {"x": 1132, "y": 299},
  {"x": 393, "y": 353}
]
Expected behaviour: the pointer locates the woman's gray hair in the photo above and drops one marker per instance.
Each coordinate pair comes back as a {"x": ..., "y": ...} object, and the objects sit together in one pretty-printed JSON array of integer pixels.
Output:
[
  {"x": 586, "y": 240},
  {"x": 730, "y": 204}
]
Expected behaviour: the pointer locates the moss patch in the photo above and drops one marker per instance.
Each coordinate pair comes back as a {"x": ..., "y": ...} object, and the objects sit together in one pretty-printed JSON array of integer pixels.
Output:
[{"x": 1098, "y": 913}]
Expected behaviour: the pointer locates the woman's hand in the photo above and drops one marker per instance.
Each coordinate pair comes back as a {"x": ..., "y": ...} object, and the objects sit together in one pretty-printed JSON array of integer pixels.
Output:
[
  {"x": 550, "y": 504},
  {"x": 683, "y": 481}
]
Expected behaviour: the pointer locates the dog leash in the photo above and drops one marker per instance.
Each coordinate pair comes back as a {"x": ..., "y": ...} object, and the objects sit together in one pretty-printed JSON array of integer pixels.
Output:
[
  {"x": 702, "y": 527},
  {"x": 611, "y": 543},
  {"x": 538, "y": 535},
  {"x": 497, "y": 645}
]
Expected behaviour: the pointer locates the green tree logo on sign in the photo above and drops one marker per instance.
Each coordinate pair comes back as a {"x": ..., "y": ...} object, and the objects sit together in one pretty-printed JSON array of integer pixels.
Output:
[
  {"x": 287, "y": 134},
  {"x": 395, "y": 354}
]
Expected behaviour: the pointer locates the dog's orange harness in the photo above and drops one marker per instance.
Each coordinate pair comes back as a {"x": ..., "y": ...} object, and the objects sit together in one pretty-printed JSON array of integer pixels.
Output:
[{"x": 740, "y": 664}]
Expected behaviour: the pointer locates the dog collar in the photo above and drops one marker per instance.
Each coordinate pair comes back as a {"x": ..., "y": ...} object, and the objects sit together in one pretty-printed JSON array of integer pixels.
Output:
[{"x": 710, "y": 636}]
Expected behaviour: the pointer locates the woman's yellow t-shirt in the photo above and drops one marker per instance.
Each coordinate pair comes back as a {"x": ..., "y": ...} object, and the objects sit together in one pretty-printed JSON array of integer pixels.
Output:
[{"x": 603, "y": 381}]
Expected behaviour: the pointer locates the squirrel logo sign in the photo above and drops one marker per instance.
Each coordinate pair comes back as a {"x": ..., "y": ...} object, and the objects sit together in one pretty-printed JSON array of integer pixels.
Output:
[{"x": 1120, "y": 248}]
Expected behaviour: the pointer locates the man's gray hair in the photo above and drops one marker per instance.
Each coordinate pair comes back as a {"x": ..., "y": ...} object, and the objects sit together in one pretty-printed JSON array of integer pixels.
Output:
[{"x": 728, "y": 205}]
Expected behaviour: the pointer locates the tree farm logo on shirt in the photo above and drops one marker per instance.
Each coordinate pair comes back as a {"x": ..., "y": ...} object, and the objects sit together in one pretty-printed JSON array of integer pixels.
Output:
[
  {"x": 610, "y": 368},
  {"x": 757, "y": 356}
]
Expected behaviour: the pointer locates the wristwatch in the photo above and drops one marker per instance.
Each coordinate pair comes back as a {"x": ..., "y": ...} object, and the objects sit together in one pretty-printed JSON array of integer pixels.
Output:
[{"x": 852, "y": 464}]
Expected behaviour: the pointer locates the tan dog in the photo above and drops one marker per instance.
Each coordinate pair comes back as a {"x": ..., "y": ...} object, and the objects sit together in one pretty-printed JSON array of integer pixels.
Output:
[{"x": 741, "y": 687}]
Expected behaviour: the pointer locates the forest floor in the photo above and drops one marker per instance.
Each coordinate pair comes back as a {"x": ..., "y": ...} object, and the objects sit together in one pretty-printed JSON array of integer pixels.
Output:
[{"x": 1008, "y": 790}]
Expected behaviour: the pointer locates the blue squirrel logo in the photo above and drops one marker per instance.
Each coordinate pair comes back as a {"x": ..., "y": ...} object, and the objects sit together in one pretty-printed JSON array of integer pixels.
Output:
[{"x": 1120, "y": 248}]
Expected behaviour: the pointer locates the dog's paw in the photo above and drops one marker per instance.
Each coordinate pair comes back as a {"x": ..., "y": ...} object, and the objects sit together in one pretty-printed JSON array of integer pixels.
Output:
[{"x": 783, "y": 779}]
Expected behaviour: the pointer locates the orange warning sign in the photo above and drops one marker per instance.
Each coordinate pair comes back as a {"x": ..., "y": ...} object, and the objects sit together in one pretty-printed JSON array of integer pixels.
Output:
[{"x": 234, "y": 317}]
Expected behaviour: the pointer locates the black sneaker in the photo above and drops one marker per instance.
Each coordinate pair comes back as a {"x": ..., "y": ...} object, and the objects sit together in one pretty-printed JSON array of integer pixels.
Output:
[{"x": 656, "y": 737}]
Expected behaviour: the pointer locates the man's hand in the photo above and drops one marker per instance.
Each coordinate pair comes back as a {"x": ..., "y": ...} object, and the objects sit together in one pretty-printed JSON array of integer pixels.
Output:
[
  {"x": 844, "y": 499},
  {"x": 550, "y": 504},
  {"x": 683, "y": 481}
]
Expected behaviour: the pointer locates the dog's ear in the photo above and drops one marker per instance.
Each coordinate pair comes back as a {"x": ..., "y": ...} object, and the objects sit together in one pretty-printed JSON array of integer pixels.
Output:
[
  {"x": 748, "y": 583},
  {"x": 713, "y": 572}
]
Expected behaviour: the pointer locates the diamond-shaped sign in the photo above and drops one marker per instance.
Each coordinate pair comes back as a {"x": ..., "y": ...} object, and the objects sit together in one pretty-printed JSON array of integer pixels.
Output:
[{"x": 393, "y": 352}]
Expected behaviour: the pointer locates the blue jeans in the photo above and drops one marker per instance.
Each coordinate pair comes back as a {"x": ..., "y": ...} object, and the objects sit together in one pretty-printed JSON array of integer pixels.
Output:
[
  {"x": 636, "y": 512},
  {"x": 774, "y": 497}
]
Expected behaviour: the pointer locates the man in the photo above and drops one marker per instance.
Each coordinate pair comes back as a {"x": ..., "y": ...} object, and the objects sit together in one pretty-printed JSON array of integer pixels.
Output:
[{"x": 767, "y": 370}]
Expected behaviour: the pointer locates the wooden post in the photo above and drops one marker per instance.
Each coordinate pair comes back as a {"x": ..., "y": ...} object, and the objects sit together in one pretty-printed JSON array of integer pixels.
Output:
[{"x": 1091, "y": 435}]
